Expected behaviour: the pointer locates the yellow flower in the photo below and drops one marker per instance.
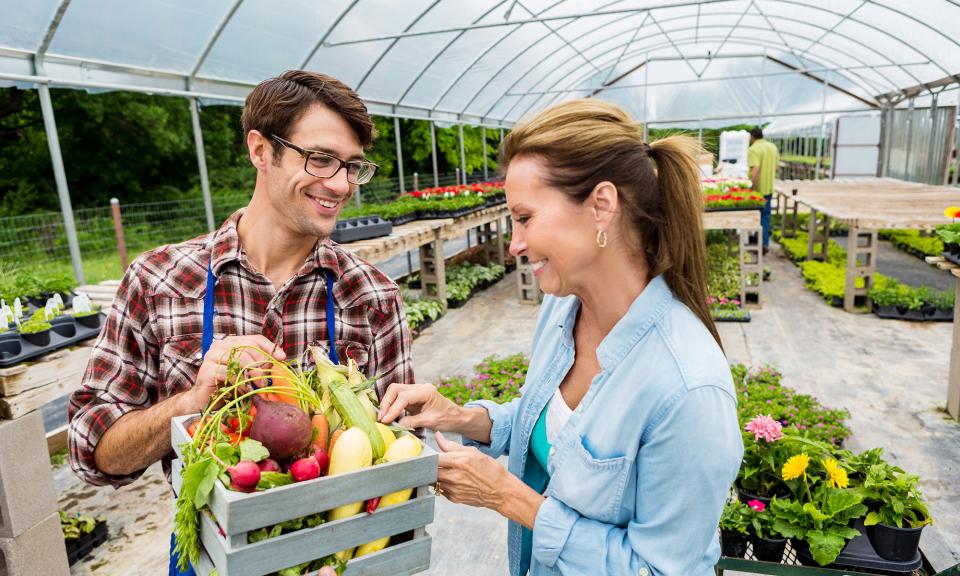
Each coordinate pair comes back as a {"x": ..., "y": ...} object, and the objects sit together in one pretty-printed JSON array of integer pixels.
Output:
[
  {"x": 796, "y": 466},
  {"x": 836, "y": 476},
  {"x": 952, "y": 212}
]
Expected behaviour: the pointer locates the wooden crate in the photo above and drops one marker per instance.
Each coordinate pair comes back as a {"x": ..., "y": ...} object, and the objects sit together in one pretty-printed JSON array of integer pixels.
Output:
[{"x": 225, "y": 538}]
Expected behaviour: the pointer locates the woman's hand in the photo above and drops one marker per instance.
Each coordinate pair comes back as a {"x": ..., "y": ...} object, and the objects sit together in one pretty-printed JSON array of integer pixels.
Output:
[
  {"x": 468, "y": 476},
  {"x": 427, "y": 408}
]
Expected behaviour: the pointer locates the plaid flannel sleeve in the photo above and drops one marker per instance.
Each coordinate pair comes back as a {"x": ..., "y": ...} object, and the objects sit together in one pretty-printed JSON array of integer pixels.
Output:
[
  {"x": 119, "y": 378},
  {"x": 390, "y": 354}
]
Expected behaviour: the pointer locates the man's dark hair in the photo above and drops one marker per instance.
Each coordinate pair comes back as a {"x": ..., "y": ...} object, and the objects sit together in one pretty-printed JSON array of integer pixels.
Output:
[
  {"x": 756, "y": 133},
  {"x": 276, "y": 104}
]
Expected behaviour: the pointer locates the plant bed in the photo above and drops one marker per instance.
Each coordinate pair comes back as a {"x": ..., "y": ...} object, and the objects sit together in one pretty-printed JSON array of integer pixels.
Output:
[
  {"x": 721, "y": 315},
  {"x": 225, "y": 530},
  {"x": 362, "y": 228},
  {"x": 80, "y": 547}
]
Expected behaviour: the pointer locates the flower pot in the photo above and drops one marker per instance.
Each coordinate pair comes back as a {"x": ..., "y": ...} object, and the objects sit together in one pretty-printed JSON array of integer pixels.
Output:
[
  {"x": 733, "y": 544},
  {"x": 89, "y": 320},
  {"x": 39, "y": 339},
  {"x": 769, "y": 549},
  {"x": 892, "y": 543},
  {"x": 746, "y": 497}
]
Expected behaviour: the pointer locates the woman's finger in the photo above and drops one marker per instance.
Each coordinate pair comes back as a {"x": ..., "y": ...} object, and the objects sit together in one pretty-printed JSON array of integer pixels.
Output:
[
  {"x": 388, "y": 398},
  {"x": 404, "y": 399},
  {"x": 446, "y": 445}
]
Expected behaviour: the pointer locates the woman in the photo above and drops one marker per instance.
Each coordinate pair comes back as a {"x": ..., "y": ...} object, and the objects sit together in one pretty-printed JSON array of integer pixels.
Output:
[{"x": 624, "y": 442}]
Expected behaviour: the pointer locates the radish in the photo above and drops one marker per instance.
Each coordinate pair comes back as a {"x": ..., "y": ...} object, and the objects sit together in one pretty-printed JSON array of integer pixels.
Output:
[
  {"x": 268, "y": 465},
  {"x": 322, "y": 458},
  {"x": 327, "y": 571},
  {"x": 244, "y": 476},
  {"x": 283, "y": 429},
  {"x": 305, "y": 469}
]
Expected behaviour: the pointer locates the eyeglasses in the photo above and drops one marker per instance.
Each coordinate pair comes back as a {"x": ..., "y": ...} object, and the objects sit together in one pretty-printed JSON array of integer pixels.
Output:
[{"x": 323, "y": 165}]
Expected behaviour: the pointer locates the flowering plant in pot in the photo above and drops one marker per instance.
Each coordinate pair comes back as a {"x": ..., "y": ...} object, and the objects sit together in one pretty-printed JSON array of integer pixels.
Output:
[
  {"x": 734, "y": 528},
  {"x": 897, "y": 511},
  {"x": 820, "y": 515},
  {"x": 768, "y": 544},
  {"x": 763, "y": 451}
]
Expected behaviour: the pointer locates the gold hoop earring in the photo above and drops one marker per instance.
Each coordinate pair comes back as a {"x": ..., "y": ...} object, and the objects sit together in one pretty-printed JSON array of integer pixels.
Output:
[{"x": 601, "y": 238}]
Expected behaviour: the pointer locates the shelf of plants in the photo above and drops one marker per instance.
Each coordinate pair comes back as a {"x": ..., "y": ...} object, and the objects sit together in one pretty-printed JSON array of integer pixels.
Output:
[
  {"x": 292, "y": 474},
  {"x": 723, "y": 194},
  {"x": 431, "y": 203}
]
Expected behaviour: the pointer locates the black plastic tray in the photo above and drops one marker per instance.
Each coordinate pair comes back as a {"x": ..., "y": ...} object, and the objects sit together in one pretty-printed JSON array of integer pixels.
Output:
[
  {"x": 362, "y": 228},
  {"x": 66, "y": 331},
  {"x": 859, "y": 553},
  {"x": 80, "y": 548},
  {"x": 745, "y": 318}
]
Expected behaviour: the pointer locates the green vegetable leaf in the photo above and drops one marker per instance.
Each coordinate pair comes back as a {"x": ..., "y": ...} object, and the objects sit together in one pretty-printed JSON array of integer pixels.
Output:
[
  {"x": 205, "y": 484},
  {"x": 273, "y": 479},
  {"x": 253, "y": 450},
  {"x": 226, "y": 452}
]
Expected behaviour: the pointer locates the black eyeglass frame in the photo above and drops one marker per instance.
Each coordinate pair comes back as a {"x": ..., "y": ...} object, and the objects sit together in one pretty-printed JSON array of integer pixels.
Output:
[{"x": 306, "y": 154}]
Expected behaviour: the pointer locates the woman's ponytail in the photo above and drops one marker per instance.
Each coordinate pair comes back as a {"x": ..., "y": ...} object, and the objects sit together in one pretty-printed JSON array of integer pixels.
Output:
[{"x": 680, "y": 251}]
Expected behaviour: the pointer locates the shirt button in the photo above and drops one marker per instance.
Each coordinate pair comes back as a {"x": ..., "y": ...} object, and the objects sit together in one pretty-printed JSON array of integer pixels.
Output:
[
  {"x": 552, "y": 451},
  {"x": 199, "y": 356},
  {"x": 644, "y": 572}
]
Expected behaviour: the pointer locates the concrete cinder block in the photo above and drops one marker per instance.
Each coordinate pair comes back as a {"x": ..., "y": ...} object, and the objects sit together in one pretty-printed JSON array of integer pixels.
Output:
[
  {"x": 26, "y": 482},
  {"x": 39, "y": 550}
]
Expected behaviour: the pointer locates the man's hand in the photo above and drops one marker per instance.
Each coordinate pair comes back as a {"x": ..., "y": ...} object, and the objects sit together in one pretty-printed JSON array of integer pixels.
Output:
[{"x": 213, "y": 371}]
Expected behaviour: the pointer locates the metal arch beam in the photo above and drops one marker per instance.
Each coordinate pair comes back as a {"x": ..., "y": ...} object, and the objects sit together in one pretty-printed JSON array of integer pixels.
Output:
[
  {"x": 448, "y": 45},
  {"x": 521, "y": 76},
  {"x": 392, "y": 44},
  {"x": 51, "y": 32},
  {"x": 874, "y": 87},
  {"x": 672, "y": 43},
  {"x": 627, "y": 47},
  {"x": 213, "y": 40},
  {"x": 834, "y": 27},
  {"x": 746, "y": 10},
  {"x": 662, "y": 45},
  {"x": 647, "y": 49},
  {"x": 486, "y": 51},
  {"x": 562, "y": 39},
  {"x": 779, "y": 35},
  {"x": 670, "y": 20},
  {"x": 326, "y": 34},
  {"x": 739, "y": 40}
]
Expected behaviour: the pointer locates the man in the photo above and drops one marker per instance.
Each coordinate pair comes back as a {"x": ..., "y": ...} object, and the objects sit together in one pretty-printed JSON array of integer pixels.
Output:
[
  {"x": 762, "y": 163},
  {"x": 270, "y": 266}
]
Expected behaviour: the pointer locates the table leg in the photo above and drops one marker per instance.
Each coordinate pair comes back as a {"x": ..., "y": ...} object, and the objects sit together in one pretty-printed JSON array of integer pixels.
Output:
[
  {"x": 433, "y": 271},
  {"x": 953, "y": 384},
  {"x": 861, "y": 266}
]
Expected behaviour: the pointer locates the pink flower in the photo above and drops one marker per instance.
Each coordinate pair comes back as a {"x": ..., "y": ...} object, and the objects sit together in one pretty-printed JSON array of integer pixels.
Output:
[
  {"x": 756, "y": 505},
  {"x": 765, "y": 428}
]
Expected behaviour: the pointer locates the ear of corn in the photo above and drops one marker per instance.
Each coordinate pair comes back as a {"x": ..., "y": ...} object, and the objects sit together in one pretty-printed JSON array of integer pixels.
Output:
[{"x": 354, "y": 414}]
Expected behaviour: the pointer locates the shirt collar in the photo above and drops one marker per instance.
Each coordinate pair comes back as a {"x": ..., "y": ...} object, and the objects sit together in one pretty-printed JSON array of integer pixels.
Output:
[
  {"x": 226, "y": 248},
  {"x": 645, "y": 310}
]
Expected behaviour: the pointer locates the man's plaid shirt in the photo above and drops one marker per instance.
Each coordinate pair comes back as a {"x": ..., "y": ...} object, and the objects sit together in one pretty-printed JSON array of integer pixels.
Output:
[{"x": 149, "y": 348}]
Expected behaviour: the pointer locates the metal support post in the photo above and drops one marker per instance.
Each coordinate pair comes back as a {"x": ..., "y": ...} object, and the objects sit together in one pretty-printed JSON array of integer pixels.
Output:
[
  {"x": 202, "y": 163},
  {"x": 823, "y": 108},
  {"x": 433, "y": 153},
  {"x": 930, "y": 177},
  {"x": 906, "y": 161},
  {"x": 463, "y": 156},
  {"x": 60, "y": 176},
  {"x": 396, "y": 133},
  {"x": 118, "y": 231},
  {"x": 483, "y": 139}
]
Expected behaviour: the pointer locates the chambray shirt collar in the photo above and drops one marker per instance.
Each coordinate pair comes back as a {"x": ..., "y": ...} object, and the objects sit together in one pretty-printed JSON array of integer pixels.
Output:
[
  {"x": 645, "y": 310},
  {"x": 226, "y": 248}
]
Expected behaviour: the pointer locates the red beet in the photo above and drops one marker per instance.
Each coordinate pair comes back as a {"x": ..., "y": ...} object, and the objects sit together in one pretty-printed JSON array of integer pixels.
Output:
[
  {"x": 305, "y": 469},
  {"x": 244, "y": 476},
  {"x": 322, "y": 458},
  {"x": 283, "y": 429},
  {"x": 268, "y": 465}
]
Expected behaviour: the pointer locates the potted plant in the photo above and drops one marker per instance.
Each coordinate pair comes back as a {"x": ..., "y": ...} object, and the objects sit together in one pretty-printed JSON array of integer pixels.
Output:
[
  {"x": 89, "y": 318},
  {"x": 734, "y": 526},
  {"x": 36, "y": 332},
  {"x": 759, "y": 476},
  {"x": 949, "y": 234},
  {"x": 818, "y": 519},
  {"x": 942, "y": 303},
  {"x": 82, "y": 534},
  {"x": 897, "y": 512},
  {"x": 768, "y": 544}
]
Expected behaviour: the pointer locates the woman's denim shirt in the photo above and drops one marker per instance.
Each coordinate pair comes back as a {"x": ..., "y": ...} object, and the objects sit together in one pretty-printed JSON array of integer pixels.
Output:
[{"x": 640, "y": 471}]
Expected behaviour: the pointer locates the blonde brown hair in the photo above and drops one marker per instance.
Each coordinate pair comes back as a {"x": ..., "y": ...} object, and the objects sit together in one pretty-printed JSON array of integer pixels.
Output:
[{"x": 585, "y": 142}]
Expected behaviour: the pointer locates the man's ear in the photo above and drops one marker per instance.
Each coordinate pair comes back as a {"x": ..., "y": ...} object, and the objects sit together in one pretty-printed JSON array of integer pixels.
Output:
[
  {"x": 605, "y": 202},
  {"x": 259, "y": 149}
]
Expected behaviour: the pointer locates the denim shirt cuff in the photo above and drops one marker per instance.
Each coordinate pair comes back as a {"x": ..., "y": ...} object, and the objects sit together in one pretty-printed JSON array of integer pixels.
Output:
[
  {"x": 499, "y": 432},
  {"x": 551, "y": 529}
]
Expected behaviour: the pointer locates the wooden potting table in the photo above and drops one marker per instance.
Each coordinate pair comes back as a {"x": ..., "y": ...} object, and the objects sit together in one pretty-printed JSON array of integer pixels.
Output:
[
  {"x": 865, "y": 205},
  {"x": 749, "y": 240}
]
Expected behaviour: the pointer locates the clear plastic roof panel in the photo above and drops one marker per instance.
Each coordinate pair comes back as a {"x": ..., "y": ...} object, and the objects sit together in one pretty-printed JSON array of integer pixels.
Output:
[{"x": 496, "y": 61}]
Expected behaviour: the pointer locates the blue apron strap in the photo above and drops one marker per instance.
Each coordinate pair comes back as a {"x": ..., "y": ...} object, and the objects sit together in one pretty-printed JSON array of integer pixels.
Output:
[
  {"x": 208, "y": 310},
  {"x": 331, "y": 318}
]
